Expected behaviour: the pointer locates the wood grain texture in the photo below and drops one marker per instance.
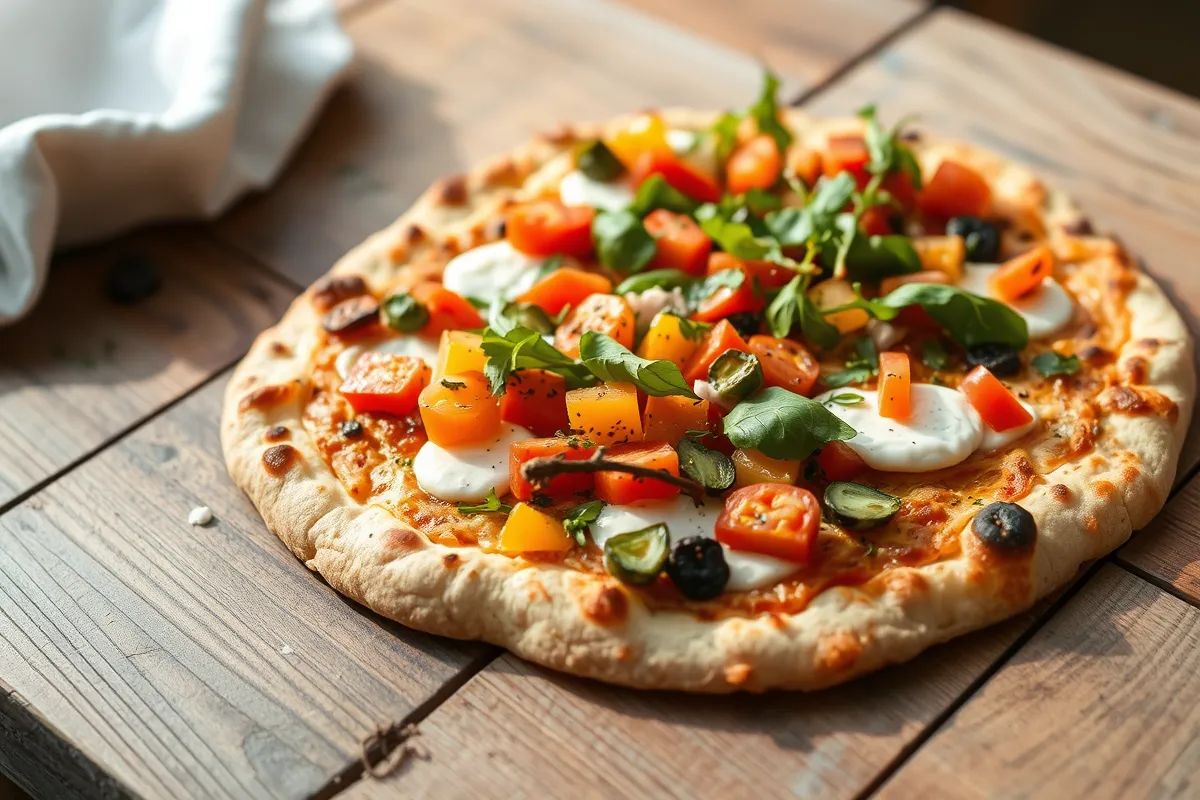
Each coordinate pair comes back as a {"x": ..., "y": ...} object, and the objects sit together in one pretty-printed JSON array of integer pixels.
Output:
[
  {"x": 516, "y": 730},
  {"x": 80, "y": 369},
  {"x": 1127, "y": 150},
  {"x": 809, "y": 40},
  {"x": 441, "y": 86},
  {"x": 1168, "y": 550},
  {"x": 1104, "y": 702},
  {"x": 190, "y": 661}
]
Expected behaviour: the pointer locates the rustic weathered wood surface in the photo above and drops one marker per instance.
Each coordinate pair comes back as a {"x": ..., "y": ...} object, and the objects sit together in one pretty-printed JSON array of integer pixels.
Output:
[{"x": 139, "y": 655}]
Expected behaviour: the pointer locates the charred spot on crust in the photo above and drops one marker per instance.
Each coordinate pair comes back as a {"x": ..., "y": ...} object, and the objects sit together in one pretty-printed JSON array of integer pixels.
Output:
[
  {"x": 1104, "y": 489},
  {"x": 1080, "y": 226},
  {"x": 403, "y": 539},
  {"x": 276, "y": 433},
  {"x": 279, "y": 349},
  {"x": 1135, "y": 369},
  {"x": 450, "y": 559},
  {"x": 279, "y": 459},
  {"x": 1136, "y": 402},
  {"x": 267, "y": 396},
  {"x": 1130, "y": 473},
  {"x": 1019, "y": 476},
  {"x": 1149, "y": 343},
  {"x": 839, "y": 651},
  {"x": 1061, "y": 492},
  {"x": 328, "y": 292},
  {"x": 451, "y": 190},
  {"x": 1096, "y": 356},
  {"x": 607, "y": 606},
  {"x": 351, "y": 315}
]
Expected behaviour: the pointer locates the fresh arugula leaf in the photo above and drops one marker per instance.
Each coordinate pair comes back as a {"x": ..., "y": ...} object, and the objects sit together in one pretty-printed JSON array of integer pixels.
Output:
[
  {"x": 724, "y": 133},
  {"x": 836, "y": 380},
  {"x": 872, "y": 258},
  {"x": 522, "y": 348},
  {"x": 575, "y": 522},
  {"x": 691, "y": 329},
  {"x": 782, "y": 424},
  {"x": 735, "y": 238},
  {"x": 1051, "y": 363},
  {"x": 609, "y": 360},
  {"x": 656, "y": 193},
  {"x": 700, "y": 291},
  {"x": 491, "y": 504},
  {"x": 933, "y": 355},
  {"x": 622, "y": 242},
  {"x": 796, "y": 226},
  {"x": 655, "y": 279},
  {"x": 846, "y": 399},
  {"x": 792, "y": 305},
  {"x": 758, "y": 201},
  {"x": 885, "y": 150},
  {"x": 765, "y": 112}
]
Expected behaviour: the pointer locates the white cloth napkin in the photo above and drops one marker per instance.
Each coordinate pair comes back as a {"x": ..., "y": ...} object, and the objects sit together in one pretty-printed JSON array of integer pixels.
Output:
[{"x": 117, "y": 112}]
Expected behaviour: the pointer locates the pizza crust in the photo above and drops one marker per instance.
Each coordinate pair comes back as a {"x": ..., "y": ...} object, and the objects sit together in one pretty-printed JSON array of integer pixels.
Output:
[{"x": 591, "y": 625}]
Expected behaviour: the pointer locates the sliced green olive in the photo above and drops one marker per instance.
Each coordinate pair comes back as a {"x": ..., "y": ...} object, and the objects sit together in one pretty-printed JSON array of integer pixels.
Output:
[
  {"x": 638, "y": 557},
  {"x": 857, "y": 507},
  {"x": 402, "y": 312},
  {"x": 595, "y": 160},
  {"x": 654, "y": 279},
  {"x": 527, "y": 315},
  {"x": 735, "y": 374},
  {"x": 710, "y": 468}
]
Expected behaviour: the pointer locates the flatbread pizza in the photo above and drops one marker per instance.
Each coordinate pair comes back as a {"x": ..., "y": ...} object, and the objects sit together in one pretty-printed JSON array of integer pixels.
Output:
[{"x": 717, "y": 401}]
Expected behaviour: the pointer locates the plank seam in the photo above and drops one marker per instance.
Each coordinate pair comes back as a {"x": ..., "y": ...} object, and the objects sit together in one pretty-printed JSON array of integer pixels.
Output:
[{"x": 1155, "y": 580}]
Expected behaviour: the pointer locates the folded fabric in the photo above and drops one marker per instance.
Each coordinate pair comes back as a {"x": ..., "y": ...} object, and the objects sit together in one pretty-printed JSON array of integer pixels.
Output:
[{"x": 119, "y": 112}]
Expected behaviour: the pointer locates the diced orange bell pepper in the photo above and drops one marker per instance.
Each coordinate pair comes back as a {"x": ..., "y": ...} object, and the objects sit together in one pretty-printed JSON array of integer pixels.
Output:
[
  {"x": 564, "y": 287},
  {"x": 665, "y": 341},
  {"x": 1021, "y": 275},
  {"x": 992, "y": 399},
  {"x": 560, "y": 485},
  {"x": 668, "y": 419},
  {"x": 459, "y": 351},
  {"x": 535, "y": 399},
  {"x": 447, "y": 311},
  {"x": 385, "y": 382},
  {"x": 722, "y": 337},
  {"x": 837, "y": 292},
  {"x": 621, "y": 488},
  {"x": 681, "y": 243},
  {"x": 839, "y": 462},
  {"x": 528, "y": 530},
  {"x": 603, "y": 313},
  {"x": 955, "y": 190},
  {"x": 895, "y": 386},
  {"x": 460, "y": 410},
  {"x": 754, "y": 165},
  {"x": 606, "y": 413}
]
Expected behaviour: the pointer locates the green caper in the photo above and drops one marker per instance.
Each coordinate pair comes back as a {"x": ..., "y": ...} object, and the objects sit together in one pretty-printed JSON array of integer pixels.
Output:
[
  {"x": 595, "y": 160},
  {"x": 402, "y": 312},
  {"x": 710, "y": 468},
  {"x": 735, "y": 374},
  {"x": 638, "y": 557}
]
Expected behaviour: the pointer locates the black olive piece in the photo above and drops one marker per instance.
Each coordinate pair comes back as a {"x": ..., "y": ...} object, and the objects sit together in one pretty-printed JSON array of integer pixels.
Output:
[
  {"x": 982, "y": 237},
  {"x": 352, "y": 429},
  {"x": 746, "y": 323},
  {"x": 351, "y": 314},
  {"x": 1002, "y": 360},
  {"x": 697, "y": 566},
  {"x": 1006, "y": 526},
  {"x": 131, "y": 279}
]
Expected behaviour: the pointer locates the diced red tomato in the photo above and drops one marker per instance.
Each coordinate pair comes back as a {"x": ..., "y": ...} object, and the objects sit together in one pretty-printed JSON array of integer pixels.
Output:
[
  {"x": 839, "y": 462},
  {"x": 447, "y": 311},
  {"x": 900, "y": 186},
  {"x": 678, "y": 174},
  {"x": 767, "y": 274},
  {"x": 621, "y": 488},
  {"x": 559, "y": 486},
  {"x": 564, "y": 287},
  {"x": 726, "y": 300},
  {"x": 774, "y": 519},
  {"x": 536, "y": 399},
  {"x": 877, "y": 221},
  {"x": 603, "y": 313},
  {"x": 785, "y": 363},
  {"x": 722, "y": 337},
  {"x": 547, "y": 227},
  {"x": 385, "y": 382},
  {"x": 955, "y": 190},
  {"x": 681, "y": 243},
  {"x": 895, "y": 385},
  {"x": 847, "y": 154},
  {"x": 754, "y": 165},
  {"x": 992, "y": 399}
]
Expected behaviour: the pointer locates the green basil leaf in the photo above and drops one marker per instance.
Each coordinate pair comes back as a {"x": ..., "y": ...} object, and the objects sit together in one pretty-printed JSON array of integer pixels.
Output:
[
  {"x": 622, "y": 242},
  {"x": 782, "y": 424},
  {"x": 711, "y": 469},
  {"x": 491, "y": 504},
  {"x": 906, "y": 162},
  {"x": 655, "y": 279},
  {"x": 609, "y": 360},
  {"x": 933, "y": 355},
  {"x": 815, "y": 327},
  {"x": 700, "y": 291},
  {"x": 655, "y": 193},
  {"x": 836, "y": 380},
  {"x": 735, "y": 238},
  {"x": 596, "y": 161},
  {"x": 797, "y": 226},
  {"x": 522, "y": 348},
  {"x": 1051, "y": 363},
  {"x": 873, "y": 258},
  {"x": 792, "y": 305},
  {"x": 967, "y": 318},
  {"x": 765, "y": 112}
]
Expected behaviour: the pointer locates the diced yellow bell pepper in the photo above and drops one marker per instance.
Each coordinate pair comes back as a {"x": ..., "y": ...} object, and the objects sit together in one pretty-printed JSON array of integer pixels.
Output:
[
  {"x": 668, "y": 419},
  {"x": 644, "y": 133},
  {"x": 665, "y": 341},
  {"x": 836, "y": 292},
  {"x": 751, "y": 466},
  {"x": 530, "y": 531},
  {"x": 606, "y": 413},
  {"x": 942, "y": 253},
  {"x": 459, "y": 352}
]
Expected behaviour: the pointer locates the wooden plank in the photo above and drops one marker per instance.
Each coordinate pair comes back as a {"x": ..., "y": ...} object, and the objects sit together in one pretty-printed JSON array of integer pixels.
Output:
[
  {"x": 1168, "y": 550},
  {"x": 188, "y": 661},
  {"x": 80, "y": 369},
  {"x": 808, "y": 40},
  {"x": 1103, "y": 702},
  {"x": 1127, "y": 150},
  {"x": 445, "y": 85},
  {"x": 516, "y": 730}
]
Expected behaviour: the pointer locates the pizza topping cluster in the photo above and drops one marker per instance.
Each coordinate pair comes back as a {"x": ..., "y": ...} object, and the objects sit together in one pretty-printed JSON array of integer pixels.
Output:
[{"x": 715, "y": 355}]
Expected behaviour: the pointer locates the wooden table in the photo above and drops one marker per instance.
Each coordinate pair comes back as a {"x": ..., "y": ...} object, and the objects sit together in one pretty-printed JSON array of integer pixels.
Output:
[{"x": 139, "y": 655}]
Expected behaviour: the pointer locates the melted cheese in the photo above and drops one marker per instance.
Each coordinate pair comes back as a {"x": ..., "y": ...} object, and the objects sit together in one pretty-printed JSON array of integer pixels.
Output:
[
  {"x": 467, "y": 474},
  {"x": 402, "y": 346},
  {"x": 490, "y": 272},
  {"x": 942, "y": 431},
  {"x": 577, "y": 189},
  {"x": 997, "y": 440},
  {"x": 1046, "y": 311},
  {"x": 683, "y": 519}
]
